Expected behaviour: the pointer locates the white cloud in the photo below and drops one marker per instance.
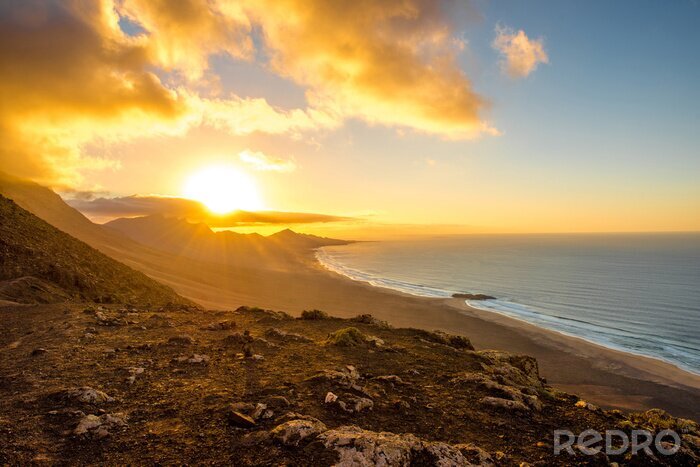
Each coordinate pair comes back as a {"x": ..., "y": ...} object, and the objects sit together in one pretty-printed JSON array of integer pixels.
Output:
[{"x": 520, "y": 55}]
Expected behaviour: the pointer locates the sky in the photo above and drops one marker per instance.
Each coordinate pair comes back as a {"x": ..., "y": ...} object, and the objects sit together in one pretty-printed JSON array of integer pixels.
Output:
[{"x": 361, "y": 118}]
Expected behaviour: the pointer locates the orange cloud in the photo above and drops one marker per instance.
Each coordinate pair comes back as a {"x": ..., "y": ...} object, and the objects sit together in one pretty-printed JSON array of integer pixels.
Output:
[
  {"x": 520, "y": 54},
  {"x": 390, "y": 62},
  {"x": 70, "y": 76}
]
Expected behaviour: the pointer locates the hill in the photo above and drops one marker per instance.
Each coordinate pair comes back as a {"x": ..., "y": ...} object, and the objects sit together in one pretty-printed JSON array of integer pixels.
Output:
[
  {"x": 37, "y": 257},
  {"x": 255, "y": 387},
  {"x": 198, "y": 241}
]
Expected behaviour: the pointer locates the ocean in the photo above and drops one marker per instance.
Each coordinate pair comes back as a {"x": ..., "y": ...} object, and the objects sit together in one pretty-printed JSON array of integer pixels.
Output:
[{"x": 638, "y": 293}]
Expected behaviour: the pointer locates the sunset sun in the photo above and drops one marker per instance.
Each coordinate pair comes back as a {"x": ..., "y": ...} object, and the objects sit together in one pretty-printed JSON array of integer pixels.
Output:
[{"x": 223, "y": 189}]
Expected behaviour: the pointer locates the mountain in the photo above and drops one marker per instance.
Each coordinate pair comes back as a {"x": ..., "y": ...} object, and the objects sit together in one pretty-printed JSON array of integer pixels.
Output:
[
  {"x": 39, "y": 263},
  {"x": 199, "y": 242},
  {"x": 49, "y": 206},
  {"x": 292, "y": 239}
]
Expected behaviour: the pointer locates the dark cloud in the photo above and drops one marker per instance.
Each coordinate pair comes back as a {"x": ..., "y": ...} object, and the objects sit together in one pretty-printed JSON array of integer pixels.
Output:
[{"x": 134, "y": 206}]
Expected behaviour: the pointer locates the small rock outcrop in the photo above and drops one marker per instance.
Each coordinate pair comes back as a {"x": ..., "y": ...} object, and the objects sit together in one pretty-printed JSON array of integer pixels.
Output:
[
  {"x": 100, "y": 426},
  {"x": 293, "y": 432}
]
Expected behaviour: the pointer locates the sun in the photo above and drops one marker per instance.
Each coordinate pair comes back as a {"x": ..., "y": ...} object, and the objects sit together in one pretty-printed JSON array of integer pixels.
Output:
[{"x": 223, "y": 189}]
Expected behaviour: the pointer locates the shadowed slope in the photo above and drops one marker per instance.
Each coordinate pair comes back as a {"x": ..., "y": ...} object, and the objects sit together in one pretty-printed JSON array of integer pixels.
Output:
[{"x": 34, "y": 253}]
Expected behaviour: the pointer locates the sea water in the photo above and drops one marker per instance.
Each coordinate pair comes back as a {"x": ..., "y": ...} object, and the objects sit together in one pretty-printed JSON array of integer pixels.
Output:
[{"x": 639, "y": 293}]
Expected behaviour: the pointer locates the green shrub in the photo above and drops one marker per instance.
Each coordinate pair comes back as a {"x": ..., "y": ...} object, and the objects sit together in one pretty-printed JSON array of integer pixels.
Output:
[
  {"x": 314, "y": 314},
  {"x": 347, "y": 337}
]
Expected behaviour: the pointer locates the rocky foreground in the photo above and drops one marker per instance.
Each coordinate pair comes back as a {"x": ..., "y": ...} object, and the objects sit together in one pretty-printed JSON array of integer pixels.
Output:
[{"x": 125, "y": 385}]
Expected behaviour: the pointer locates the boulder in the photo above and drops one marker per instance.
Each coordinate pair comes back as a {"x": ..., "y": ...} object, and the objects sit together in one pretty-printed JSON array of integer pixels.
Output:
[
  {"x": 293, "y": 432},
  {"x": 362, "y": 448},
  {"x": 239, "y": 420},
  {"x": 100, "y": 426},
  {"x": 88, "y": 395}
]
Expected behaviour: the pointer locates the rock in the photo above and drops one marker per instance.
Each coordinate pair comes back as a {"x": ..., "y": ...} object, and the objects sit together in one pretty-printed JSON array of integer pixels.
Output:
[
  {"x": 375, "y": 341},
  {"x": 358, "y": 447},
  {"x": 389, "y": 379},
  {"x": 362, "y": 403},
  {"x": 498, "y": 389},
  {"x": 238, "y": 339},
  {"x": 450, "y": 340},
  {"x": 504, "y": 403},
  {"x": 240, "y": 420},
  {"x": 257, "y": 356},
  {"x": 39, "y": 351},
  {"x": 261, "y": 411},
  {"x": 274, "y": 333},
  {"x": 278, "y": 402},
  {"x": 88, "y": 395},
  {"x": 476, "y": 455},
  {"x": 293, "y": 432},
  {"x": 243, "y": 407},
  {"x": 346, "y": 377},
  {"x": 473, "y": 296},
  {"x": 133, "y": 371},
  {"x": 181, "y": 340},
  {"x": 194, "y": 359},
  {"x": 99, "y": 426},
  {"x": 369, "y": 319},
  {"x": 220, "y": 326},
  {"x": 587, "y": 405},
  {"x": 330, "y": 398}
]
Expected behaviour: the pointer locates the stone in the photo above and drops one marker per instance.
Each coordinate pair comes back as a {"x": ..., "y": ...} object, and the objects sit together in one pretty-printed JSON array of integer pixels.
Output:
[
  {"x": 507, "y": 404},
  {"x": 220, "y": 326},
  {"x": 363, "y": 448},
  {"x": 99, "y": 426},
  {"x": 240, "y": 420},
  {"x": 330, "y": 398},
  {"x": 278, "y": 401},
  {"x": 88, "y": 395},
  {"x": 389, "y": 379},
  {"x": 293, "y": 432},
  {"x": 274, "y": 333},
  {"x": 181, "y": 340},
  {"x": 261, "y": 411}
]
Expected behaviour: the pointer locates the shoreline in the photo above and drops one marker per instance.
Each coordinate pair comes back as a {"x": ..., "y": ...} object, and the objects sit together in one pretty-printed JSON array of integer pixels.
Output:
[
  {"x": 595, "y": 383},
  {"x": 527, "y": 326}
]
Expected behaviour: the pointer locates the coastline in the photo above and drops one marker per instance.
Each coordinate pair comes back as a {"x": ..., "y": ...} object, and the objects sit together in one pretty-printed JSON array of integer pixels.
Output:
[
  {"x": 486, "y": 312},
  {"x": 605, "y": 377},
  {"x": 546, "y": 345}
]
